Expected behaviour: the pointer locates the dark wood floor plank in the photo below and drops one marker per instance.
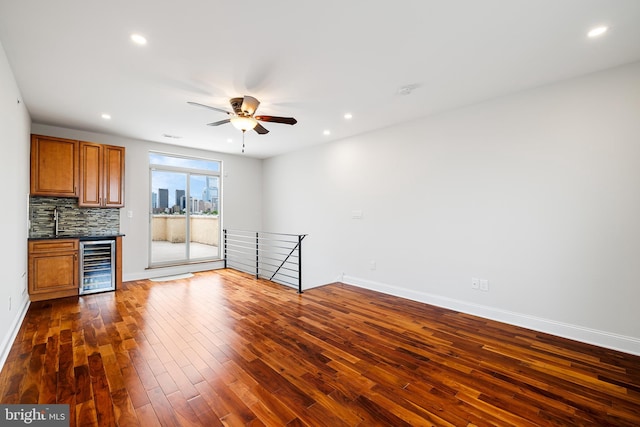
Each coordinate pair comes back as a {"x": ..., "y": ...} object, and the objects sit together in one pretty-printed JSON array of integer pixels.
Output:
[
  {"x": 270, "y": 409},
  {"x": 144, "y": 373},
  {"x": 49, "y": 380},
  {"x": 31, "y": 385},
  {"x": 134, "y": 386},
  {"x": 162, "y": 408},
  {"x": 85, "y": 415},
  {"x": 124, "y": 412},
  {"x": 180, "y": 380},
  {"x": 209, "y": 394},
  {"x": 204, "y": 413},
  {"x": 83, "y": 384},
  {"x": 66, "y": 381},
  {"x": 147, "y": 416},
  {"x": 102, "y": 395},
  {"x": 224, "y": 348},
  {"x": 184, "y": 413}
]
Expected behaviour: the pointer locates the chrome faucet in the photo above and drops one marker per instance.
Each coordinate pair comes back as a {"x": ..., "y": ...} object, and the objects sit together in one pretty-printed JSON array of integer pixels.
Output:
[{"x": 56, "y": 217}]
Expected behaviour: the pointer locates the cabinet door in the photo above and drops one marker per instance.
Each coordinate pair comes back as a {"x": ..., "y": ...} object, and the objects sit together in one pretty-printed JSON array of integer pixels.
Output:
[
  {"x": 113, "y": 176},
  {"x": 57, "y": 271},
  {"x": 54, "y": 166},
  {"x": 102, "y": 180},
  {"x": 91, "y": 180},
  {"x": 53, "y": 268}
]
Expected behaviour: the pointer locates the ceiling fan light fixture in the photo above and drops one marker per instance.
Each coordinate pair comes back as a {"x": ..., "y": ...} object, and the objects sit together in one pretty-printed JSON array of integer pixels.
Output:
[
  {"x": 138, "y": 39},
  {"x": 244, "y": 123},
  {"x": 597, "y": 32}
]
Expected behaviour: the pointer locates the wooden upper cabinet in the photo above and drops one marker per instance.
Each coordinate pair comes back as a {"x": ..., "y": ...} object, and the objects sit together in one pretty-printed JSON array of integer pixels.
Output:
[
  {"x": 68, "y": 168},
  {"x": 90, "y": 182},
  {"x": 54, "y": 167},
  {"x": 102, "y": 180},
  {"x": 113, "y": 176}
]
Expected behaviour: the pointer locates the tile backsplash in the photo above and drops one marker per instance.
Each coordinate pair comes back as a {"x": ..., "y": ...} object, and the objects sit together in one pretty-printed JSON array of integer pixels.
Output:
[{"x": 72, "y": 219}]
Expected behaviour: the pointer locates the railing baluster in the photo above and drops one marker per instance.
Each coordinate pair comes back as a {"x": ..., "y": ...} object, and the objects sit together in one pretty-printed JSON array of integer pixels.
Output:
[
  {"x": 224, "y": 233},
  {"x": 300, "y": 263},
  {"x": 257, "y": 255}
]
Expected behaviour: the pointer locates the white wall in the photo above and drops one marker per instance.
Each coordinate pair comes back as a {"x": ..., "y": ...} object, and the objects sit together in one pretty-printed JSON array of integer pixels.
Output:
[
  {"x": 14, "y": 174},
  {"x": 241, "y": 186},
  {"x": 538, "y": 192}
]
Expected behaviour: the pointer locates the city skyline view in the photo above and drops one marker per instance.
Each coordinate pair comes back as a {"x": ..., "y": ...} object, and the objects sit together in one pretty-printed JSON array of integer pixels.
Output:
[{"x": 201, "y": 187}]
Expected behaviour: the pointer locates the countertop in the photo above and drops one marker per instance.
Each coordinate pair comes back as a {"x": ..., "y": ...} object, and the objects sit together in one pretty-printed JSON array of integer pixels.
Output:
[{"x": 79, "y": 237}]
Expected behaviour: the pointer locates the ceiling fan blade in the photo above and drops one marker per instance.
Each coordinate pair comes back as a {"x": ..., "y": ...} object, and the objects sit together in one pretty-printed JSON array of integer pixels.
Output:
[
  {"x": 276, "y": 119},
  {"x": 236, "y": 105},
  {"x": 209, "y": 107},
  {"x": 221, "y": 122},
  {"x": 260, "y": 129},
  {"x": 249, "y": 105}
]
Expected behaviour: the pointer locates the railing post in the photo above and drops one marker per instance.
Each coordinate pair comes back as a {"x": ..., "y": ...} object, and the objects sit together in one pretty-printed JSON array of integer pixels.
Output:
[
  {"x": 257, "y": 256},
  {"x": 224, "y": 234},
  {"x": 299, "y": 264}
]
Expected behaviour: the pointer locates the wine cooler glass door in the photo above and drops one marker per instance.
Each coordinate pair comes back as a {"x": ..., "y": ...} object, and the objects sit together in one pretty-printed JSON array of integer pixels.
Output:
[{"x": 97, "y": 266}]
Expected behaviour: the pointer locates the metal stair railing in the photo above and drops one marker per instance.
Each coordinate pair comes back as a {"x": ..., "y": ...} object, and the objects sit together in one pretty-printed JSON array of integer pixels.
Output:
[{"x": 273, "y": 256}]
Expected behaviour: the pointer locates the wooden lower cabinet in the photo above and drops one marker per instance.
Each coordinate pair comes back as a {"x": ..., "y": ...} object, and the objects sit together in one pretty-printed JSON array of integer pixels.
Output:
[{"x": 53, "y": 268}]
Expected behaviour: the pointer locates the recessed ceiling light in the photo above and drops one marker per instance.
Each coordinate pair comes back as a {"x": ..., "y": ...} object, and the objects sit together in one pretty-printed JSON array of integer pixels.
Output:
[
  {"x": 326, "y": 132},
  {"x": 106, "y": 116},
  {"x": 348, "y": 116},
  {"x": 598, "y": 31},
  {"x": 138, "y": 39},
  {"x": 229, "y": 140},
  {"x": 407, "y": 89}
]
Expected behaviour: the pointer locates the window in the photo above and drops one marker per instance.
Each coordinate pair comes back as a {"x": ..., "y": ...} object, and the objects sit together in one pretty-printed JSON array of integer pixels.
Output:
[{"x": 185, "y": 207}]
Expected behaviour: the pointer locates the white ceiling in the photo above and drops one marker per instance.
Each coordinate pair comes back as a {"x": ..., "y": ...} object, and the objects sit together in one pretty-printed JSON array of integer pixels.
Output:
[{"x": 73, "y": 60}]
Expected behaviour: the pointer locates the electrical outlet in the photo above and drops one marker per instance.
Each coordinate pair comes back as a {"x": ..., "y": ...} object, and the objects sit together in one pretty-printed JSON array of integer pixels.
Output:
[
  {"x": 484, "y": 285},
  {"x": 475, "y": 283},
  {"x": 372, "y": 265}
]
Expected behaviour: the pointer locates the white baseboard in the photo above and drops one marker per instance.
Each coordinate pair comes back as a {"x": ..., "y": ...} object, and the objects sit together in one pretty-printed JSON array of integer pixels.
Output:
[
  {"x": 6, "y": 344},
  {"x": 579, "y": 333},
  {"x": 152, "y": 273}
]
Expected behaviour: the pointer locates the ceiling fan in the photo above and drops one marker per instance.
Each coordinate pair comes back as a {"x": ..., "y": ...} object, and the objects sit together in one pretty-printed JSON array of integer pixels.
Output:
[{"x": 243, "y": 117}]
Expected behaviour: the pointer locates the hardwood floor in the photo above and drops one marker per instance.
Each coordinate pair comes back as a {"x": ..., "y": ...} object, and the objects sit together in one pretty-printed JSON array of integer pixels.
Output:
[{"x": 222, "y": 348}]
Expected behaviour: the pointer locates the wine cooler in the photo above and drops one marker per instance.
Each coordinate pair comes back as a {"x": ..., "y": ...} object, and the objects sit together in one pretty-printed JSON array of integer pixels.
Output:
[{"x": 97, "y": 266}]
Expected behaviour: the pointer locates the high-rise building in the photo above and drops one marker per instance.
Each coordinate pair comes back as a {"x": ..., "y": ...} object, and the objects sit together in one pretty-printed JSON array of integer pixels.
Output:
[
  {"x": 164, "y": 198},
  {"x": 194, "y": 205},
  {"x": 210, "y": 192},
  {"x": 180, "y": 199}
]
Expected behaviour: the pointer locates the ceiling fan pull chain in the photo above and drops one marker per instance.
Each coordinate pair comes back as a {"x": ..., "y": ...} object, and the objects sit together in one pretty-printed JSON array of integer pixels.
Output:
[{"x": 243, "y": 131}]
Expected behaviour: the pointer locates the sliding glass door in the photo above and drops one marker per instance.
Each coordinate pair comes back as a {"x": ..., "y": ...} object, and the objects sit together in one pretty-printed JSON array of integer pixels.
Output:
[
  {"x": 185, "y": 210},
  {"x": 204, "y": 231}
]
